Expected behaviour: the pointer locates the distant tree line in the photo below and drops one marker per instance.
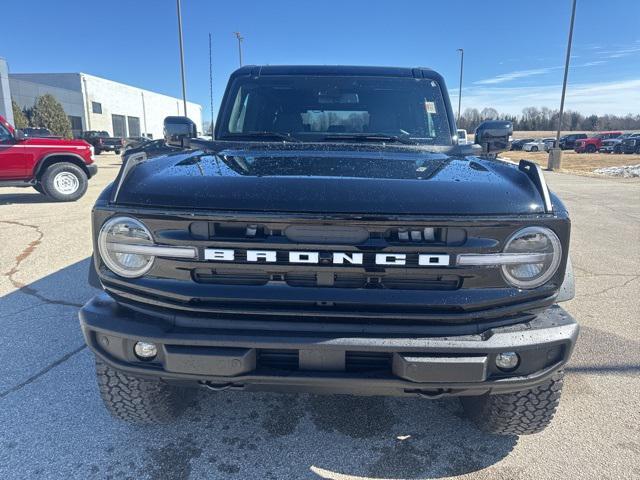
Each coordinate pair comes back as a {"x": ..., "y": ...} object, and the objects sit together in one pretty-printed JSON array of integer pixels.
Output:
[
  {"x": 544, "y": 118},
  {"x": 46, "y": 112}
]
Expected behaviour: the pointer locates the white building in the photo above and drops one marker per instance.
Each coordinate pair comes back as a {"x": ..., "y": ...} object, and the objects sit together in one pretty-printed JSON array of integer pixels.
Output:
[{"x": 94, "y": 103}]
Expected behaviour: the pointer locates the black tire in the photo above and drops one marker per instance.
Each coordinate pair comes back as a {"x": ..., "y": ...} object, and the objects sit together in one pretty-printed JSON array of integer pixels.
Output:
[
  {"x": 38, "y": 188},
  {"x": 117, "y": 152},
  {"x": 519, "y": 413},
  {"x": 137, "y": 400},
  {"x": 64, "y": 182},
  {"x": 591, "y": 149},
  {"x": 97, "y": 151},
  {"x": 534, "y": 149}
]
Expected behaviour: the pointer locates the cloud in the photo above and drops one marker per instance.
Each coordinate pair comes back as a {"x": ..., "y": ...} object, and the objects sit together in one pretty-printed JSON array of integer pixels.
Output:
[
  {"x": 619, "y": 52},
  {"x": 507, "y": 77},
  {"x": 618, "y": 97}
]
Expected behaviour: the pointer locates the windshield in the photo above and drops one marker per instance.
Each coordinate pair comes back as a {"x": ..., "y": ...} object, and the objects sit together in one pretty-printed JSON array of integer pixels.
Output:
[{"x": 331, "y": 108}]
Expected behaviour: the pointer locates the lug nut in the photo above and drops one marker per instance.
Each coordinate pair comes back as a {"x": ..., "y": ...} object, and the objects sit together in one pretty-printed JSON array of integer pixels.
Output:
[
  {"x": 145, "y": 350},
  {"x": 507, "y": 361}
]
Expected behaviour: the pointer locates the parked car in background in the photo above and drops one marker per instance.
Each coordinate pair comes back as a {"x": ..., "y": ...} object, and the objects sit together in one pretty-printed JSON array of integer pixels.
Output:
[
  {"x": 568, "y": 142},
  {"x": 613, "y": 145},
  {"x": 55, "y": 167},
  {"x": 103, "y": 142},
  {"x": 631, "y": 144},
  {"x": 134, "y": 142},
  {"x": 540, "y": 144},
  {"x": 594, "y": 143},
  {"x": 33, "y": 132},
  {"x": 517, "y": 144},
  {"x": 462, "y": 136}
]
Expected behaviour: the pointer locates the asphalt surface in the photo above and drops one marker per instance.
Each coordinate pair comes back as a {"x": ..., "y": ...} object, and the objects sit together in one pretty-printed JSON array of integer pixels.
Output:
[{"x": 53, "y": 425}]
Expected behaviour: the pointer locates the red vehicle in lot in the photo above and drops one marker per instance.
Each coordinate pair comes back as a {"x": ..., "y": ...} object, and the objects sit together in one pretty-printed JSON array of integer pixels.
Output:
[
  {"x": 55, "y": 167},
  {"x": 594, "y": 143}
]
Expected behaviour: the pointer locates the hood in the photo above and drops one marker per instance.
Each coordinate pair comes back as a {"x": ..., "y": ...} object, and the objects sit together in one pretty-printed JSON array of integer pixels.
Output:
[
  {"x": 55, "y": 142},
  {"x": 331, "y": 180}
]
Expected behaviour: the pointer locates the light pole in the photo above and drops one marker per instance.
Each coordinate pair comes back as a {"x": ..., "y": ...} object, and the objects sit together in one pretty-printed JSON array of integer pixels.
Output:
[
  {"x": 555, "y": 154},
  {"x": 461, "y": 50},
  {"x": 184, "y": 86},
  {"x": 240, "y": 39},
  {"x": 211, "y": 84}
]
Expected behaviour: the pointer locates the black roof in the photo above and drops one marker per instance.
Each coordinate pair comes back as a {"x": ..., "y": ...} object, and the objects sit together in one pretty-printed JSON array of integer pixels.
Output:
[{"x": 345, "y": 70}]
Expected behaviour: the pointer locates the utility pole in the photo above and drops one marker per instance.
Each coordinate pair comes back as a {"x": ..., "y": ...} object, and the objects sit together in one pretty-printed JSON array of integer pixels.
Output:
[
  {"x": 184, "y": 86},
  {"x": 555, "y": 154},
  {"x": 240, "y": 39},
  {"x": 461, "y": 50},
  {"x": 211, "y": 84}
]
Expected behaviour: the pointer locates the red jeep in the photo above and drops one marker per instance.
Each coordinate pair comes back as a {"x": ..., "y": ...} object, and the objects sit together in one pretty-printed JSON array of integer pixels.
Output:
[
  {"x": 55, "y": 167},
  {"x": 594, "y": 143}
]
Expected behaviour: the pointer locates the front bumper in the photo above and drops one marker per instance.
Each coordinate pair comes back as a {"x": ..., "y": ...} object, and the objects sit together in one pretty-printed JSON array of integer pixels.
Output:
[
  {"x": 324, "y": 362},
  {"x": 92, "y": 168}
]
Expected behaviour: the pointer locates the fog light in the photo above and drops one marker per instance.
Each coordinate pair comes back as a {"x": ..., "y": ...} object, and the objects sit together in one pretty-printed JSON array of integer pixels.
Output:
[
  {"x": 145, "y": 351},
  {"x": 507, "y": 360}
]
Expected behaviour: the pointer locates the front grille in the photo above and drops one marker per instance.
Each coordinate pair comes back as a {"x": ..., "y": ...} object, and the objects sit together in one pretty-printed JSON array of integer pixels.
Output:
[{"x": 341, "y": 293}]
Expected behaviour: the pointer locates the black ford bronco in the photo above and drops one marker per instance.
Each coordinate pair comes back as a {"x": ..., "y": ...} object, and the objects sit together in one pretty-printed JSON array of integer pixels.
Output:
[{"x": 332, "y": 238}]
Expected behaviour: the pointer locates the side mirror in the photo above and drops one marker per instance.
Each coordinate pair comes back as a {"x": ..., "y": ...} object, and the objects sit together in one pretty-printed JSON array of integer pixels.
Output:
[
  {"x": 494, "y": 136},
  {"x": 178, "y": 131},
  {"x": 19, "y": 135}
]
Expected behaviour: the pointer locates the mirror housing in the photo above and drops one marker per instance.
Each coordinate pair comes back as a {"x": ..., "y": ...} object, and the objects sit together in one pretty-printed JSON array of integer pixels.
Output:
[
  {"x": 178, "y": 131},
  {"x": 494, "y": 136},
  {"x": 19, "y": 135}
]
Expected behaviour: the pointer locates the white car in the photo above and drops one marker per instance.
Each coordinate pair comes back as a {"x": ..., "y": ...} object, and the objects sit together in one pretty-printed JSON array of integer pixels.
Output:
[
  {"x": 462, "y": 136},
  {"x": 538, "y": 145}
]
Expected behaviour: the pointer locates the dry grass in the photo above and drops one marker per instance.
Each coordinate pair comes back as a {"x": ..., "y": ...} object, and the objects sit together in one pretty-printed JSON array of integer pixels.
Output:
[{"x": 582, "y": 163}]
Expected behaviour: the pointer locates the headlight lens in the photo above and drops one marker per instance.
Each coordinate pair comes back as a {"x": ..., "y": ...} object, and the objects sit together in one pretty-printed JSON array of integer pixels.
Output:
[
  {"x": 120, "y": 231},
  {"x": 533, "y": 240}
]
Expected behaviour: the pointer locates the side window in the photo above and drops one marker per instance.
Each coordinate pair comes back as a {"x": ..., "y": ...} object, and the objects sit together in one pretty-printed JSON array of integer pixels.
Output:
[{"x": 5, "y": 135}]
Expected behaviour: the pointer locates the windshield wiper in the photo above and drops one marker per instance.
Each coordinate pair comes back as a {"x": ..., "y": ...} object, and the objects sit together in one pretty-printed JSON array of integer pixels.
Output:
[
  {"x": 371, "y": 137},
  {"x": 287, "y": 137}
]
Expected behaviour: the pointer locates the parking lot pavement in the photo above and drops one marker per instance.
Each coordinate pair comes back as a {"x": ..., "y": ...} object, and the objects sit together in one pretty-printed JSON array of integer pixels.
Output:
[{"x": 53, "y": 425}]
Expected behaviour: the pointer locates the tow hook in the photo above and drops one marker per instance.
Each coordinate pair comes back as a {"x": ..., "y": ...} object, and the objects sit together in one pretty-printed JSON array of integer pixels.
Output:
[
  {"x": 430, "y": 394},
  {"x": 221, "y": 387}
]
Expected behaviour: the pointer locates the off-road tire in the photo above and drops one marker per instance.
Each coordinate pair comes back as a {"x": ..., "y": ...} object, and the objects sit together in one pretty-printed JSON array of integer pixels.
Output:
[
  {"x": 137, "y": 400},
  {"x": 591, "y": 149},
  {"x": 48, "y": 181},
  {"x": 519, "y": 413}
]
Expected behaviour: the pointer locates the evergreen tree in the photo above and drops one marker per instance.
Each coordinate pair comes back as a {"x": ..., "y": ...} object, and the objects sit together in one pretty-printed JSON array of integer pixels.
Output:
[
  {"x": 19, "y": 119},
  {"x": 48, "y": 113}
]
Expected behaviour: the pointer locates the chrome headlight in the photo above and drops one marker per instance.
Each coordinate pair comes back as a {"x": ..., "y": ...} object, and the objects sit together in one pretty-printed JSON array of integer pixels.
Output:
[
  {"x": 535, "y": 254},
  {"x": 122, "y": 242}
]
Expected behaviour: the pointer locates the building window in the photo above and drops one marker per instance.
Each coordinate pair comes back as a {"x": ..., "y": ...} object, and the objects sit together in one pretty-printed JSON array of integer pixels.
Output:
[
  {"x": 119, "y": 126},
  {"x": 96, "y": 107},
  {"x": 76, "y": 125},
  {"x": 134, "y": 126}
]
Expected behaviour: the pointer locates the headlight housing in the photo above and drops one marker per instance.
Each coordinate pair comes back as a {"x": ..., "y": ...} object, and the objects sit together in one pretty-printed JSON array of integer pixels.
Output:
[
  {"x": 118, "y": 243},
  {"x": 544, "y": 252}
]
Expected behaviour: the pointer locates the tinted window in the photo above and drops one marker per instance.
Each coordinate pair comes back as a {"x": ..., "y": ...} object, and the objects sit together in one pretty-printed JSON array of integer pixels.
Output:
[
  {"x": 314, "y": 107},
  {"x": 5, "y": 135},
  {"x": 96, "y": 107}
]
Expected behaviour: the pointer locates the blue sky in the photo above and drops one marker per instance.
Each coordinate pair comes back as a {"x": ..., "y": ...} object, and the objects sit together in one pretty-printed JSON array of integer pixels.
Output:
[{"x": 514, "y": 50}]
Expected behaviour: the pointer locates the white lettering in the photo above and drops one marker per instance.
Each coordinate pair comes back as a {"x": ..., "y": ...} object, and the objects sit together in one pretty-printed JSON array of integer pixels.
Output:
[
  {"x": 353, "y": 258},
  {"x": 391, "y": 259},
  {"x": 257, "y": 255},
  {"x": 219, "y": 255},
  {"x": 303, "y": 257},
  {"x": 433, "y": 260}
]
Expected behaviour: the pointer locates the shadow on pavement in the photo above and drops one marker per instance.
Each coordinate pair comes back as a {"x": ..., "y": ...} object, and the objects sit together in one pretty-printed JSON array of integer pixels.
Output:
[
  {"x": 31, "y": 197},
  {"x": 49, "y": 393}
]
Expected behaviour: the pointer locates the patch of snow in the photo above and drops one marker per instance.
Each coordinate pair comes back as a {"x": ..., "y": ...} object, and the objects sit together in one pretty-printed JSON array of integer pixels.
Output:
[{"x": 627, "y": 171}]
